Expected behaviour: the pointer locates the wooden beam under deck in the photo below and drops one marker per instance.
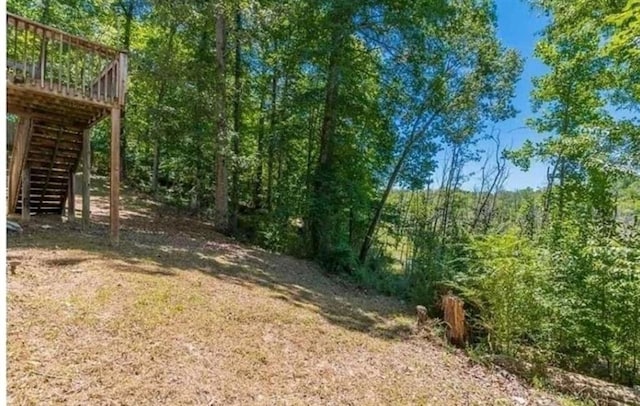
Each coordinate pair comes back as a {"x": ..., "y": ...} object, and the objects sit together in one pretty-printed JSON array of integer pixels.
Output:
[{"x": 72, "y": 113}]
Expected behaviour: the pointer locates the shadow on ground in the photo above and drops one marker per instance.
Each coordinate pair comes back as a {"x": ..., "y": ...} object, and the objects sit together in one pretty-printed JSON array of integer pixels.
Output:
[{"x": 171, "y": 244}]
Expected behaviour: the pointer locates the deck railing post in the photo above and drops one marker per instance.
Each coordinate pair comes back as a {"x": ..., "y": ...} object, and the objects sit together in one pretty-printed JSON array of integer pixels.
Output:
[
  {"x": 43, "y": 58},
  {"x": 24, "y": 53},
  {"x": 60, "y": 67},
  {"x": 33, "y": 58},
  {"x": 99, "y": 92},
  {"x": 50, "y": 65},
  {"x": 68, "y": 62},
  {"x": 15, "y": 45}
]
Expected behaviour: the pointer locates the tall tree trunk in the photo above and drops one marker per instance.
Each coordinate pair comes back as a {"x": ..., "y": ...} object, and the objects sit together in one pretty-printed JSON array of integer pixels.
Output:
[
  {"x": 272, "y": 138},
  {"x": 371, "y": 230},
  {"x": 158, "y": 121},
  {"x": 320, "y": 225},
  {"x": 281, "y": 154},
  {"x": 235, "y": 175},
  {"x": 46, "y": 12},
  {"x": 222, "y": 189},
  {"x": 310, "y": 137},
  {"x": 257, "y": 185},
  {"x": 128, "y": 11},
  {"x": 416, "y": 135},
  {"x": 449, "y": 190}
]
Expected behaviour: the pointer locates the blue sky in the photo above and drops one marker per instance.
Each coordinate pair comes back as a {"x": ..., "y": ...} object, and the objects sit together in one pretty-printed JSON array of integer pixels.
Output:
[{"x": 518, "y": 27}]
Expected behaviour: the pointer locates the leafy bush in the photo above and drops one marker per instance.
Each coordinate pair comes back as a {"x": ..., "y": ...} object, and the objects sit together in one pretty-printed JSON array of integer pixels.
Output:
[{"x": 508, "y": 283}]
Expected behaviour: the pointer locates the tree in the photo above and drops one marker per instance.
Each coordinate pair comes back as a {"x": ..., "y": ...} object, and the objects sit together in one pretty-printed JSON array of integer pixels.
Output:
[
  {"x": 464, "y": 80},
  {"x": 129, "y": 9},
  {"x": 222, "y": 192}
]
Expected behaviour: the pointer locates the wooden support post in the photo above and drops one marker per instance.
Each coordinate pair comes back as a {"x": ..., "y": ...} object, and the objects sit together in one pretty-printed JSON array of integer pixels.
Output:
[
  {"x": 122, "y": 77},
  {"x": 115, "y": 175},
  {"x": 71, "y": 198},
  {"x": 86, "y": 178},
  {"x": 26, "y": 194},
  {"x": 18, "y": 161}
]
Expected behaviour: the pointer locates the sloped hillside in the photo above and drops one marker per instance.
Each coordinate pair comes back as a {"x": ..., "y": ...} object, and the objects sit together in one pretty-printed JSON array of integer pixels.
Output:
[{"x": 179, "y": 315}]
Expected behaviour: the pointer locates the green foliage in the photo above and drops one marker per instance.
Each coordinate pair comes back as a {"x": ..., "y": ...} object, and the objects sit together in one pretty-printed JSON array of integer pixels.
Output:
[
  {"x": 509, "y": 284},
  {"x": 375, "y": 275},
  {"x": 522, "y": 157},
  {"x": 626, "y": 38},
  {"x": 333, "y": 105},
  {"x": 596, "y": 285}
]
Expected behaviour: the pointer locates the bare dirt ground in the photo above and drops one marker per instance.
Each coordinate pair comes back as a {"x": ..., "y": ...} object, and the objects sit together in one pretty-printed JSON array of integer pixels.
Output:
[{"x": 179, "y": 315}]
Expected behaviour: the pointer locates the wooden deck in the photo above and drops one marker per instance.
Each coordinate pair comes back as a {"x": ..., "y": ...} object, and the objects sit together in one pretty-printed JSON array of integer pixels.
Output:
[{"x": 59, "y": 85}]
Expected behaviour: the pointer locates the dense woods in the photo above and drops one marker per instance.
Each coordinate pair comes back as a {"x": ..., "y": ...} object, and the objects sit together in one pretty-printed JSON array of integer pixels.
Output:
[{"x": 312, "y": 128}]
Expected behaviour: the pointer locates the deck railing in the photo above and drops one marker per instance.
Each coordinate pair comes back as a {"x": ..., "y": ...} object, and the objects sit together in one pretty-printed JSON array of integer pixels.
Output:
[{"x": 54, "y": 61}]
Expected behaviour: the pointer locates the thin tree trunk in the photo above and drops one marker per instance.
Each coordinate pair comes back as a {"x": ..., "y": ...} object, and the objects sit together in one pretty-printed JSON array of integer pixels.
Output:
[
  {"x": 257, "y": 185},
  {"x": 160, "y": 100},
  {"x": 491, "y": 193},
  {"x": 235, "y": 176},
  {"x": 416, "y": 135},
  {"x": 312, "y": 129},
  {"x": 448, "y": 191},
  {"x": 281, "y": 154},
  {"x": 222, "y": 190},
  {"x": 128, "y": 12},
  {"x": 272, "y": 139},
  {"x": 371, "y": 230}
]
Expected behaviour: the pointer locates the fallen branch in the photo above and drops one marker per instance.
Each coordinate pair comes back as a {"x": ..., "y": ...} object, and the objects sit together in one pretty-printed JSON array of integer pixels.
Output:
[
  {"x": 47, "y": 375},
  {"x": 585, "y": 387}
]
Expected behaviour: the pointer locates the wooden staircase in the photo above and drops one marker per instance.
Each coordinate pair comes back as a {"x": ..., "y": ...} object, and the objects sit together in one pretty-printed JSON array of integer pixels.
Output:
[
  {"x": 59, "y": 85},
  {"x": 52, "y": 159}
]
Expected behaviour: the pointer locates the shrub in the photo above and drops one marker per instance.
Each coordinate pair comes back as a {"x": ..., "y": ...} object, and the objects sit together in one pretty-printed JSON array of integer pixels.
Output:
[{"x": 508, "y": 284}]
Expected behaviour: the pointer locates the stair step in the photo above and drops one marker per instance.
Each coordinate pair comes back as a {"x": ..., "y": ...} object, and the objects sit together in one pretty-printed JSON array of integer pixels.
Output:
[
  {"x": 49, "y": 152},
  {"x": 57, "y": 163},
  {"x": 59, "y": 171},
  {"x": 41, "y": 211},
  {"x": 63, "y": 145}
]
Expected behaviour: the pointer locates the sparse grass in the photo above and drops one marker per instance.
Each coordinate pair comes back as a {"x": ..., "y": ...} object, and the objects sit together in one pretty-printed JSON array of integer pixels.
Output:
[
  {"x": 178, "y": 315},
  {"x": 566, "y": 401}
]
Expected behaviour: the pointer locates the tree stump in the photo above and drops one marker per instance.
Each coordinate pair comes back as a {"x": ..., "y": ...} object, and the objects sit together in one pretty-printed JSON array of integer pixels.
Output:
[
  {"x": 421, "y": 315},
  {"x": 453, "y": 309}
]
